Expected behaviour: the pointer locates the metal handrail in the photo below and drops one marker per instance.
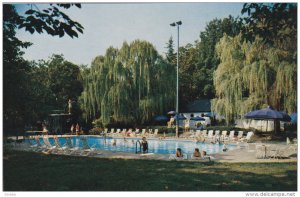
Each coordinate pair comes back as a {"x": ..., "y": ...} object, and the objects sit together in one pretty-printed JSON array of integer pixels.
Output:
[{"x": 136, "y": 151}]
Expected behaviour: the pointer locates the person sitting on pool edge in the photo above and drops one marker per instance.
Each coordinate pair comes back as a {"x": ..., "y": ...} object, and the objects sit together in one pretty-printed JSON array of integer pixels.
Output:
[
  {"x": 178, "y": 155},
  {"x": 202, "y": 155},
  {"x": 144, "y": 145},
  {"x": 205, "y": 155},
  {"x": 196, "y": 154},
  {"x": 179, "y": 152}
]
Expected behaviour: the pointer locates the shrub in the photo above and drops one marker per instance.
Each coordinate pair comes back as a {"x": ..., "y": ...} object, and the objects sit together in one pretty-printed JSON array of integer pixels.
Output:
[
  {"x": 97, "y": 123},
  {"x": 95, "y": 131}
]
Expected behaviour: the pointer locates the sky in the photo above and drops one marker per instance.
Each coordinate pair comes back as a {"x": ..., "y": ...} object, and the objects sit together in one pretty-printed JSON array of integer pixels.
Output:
[{"x": 110, "y": 24}]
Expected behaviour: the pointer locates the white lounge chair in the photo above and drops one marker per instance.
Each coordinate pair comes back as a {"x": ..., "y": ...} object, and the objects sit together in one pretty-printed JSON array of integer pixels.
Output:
[
  {"x": 223, "y": 135},
  {"x": 48, "y": 145},
  {"x": 247, "y": 138},
  {"x": 112, "y": 130},
  {"x": 283, "y": 152},
  {"x": 86, "y": 148},
  {"x": 143, "y": 133},
  {"x": 278, "y": 152},
  {"x": 60, "y": 147},
  {"x": 210, "y": 135},
  {"x": 131, "y": 133},
  {"x": 137, "y": 131},
  {"x": 154, "y": 134},
  {"x": 70, "y": 148},
  {"x": 36, "y": 145},
  {"x": 104, "y": 132},
  {"x": 123, "y": 133},
  {"x": 146, "y": 133},
  {"x": 261, "y": 151},
  {"x": 230, "y": 137},
  {"x": 272, "y": 152},
  {"x": 198, "y": 132},
  {"x": 240, "y": 135},
  {"x": 292, "y": 144},
  {"x": 217, "y": 135},
  {"x": 190, "y": 134},
  {"x": 194, "y": 134},
  {"x": 204, "y": 133},
  {"x": 117, "y": 132}
]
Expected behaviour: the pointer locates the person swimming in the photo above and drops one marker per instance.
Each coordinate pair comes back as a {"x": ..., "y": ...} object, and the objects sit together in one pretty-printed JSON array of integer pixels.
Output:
[
  {"x": 179, "y": 152},
  {"x": 196, "y": 153},
  {"x": 225, "y": 148},
  {"x": 114, "y": 142}
]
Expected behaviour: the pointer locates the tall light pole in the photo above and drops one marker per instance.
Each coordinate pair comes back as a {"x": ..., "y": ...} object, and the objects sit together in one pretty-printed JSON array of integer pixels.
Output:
[{"x": 177, "y": 109}]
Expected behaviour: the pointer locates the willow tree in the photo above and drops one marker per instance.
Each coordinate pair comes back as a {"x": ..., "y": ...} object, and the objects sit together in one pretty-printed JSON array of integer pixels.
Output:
[
  {"x": 253, "y": 75},
  {"x": 128, "y": 85}
]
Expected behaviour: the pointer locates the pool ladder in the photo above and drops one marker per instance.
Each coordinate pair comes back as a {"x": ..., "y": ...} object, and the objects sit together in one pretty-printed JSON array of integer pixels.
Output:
[{"x": 136, "y": 147}]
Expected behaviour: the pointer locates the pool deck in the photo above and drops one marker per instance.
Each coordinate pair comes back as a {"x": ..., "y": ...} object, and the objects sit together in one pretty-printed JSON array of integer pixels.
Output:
[
  {"x": 240, "y": 154},
  {"x": 237, "y": 155}
]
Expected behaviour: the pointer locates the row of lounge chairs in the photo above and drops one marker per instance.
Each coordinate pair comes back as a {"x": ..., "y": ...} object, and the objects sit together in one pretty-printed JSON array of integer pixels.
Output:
[
  {"x": 265, "y": 151},
  {"x": 84, "y": 149},
  {"x": 272, "y": 151},
  {"x": 130, "y": 133},
  {"x": 217, "y": 135}
]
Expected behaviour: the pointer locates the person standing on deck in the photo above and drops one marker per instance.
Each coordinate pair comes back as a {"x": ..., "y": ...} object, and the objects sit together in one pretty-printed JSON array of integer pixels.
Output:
[{"x": 77, "y": 129}]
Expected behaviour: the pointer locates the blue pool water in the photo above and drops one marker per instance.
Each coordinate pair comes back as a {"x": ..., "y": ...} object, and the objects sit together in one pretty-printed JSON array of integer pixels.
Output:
[{"x": 154, "y": 145}]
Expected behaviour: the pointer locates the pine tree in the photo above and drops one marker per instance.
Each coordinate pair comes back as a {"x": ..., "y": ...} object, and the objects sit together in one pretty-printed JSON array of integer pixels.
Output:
[{"x": 170, "y": 55}]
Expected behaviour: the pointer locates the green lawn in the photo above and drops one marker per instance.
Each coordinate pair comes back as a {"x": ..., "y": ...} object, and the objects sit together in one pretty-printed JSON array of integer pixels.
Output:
[{"x": 24, "y": 171}]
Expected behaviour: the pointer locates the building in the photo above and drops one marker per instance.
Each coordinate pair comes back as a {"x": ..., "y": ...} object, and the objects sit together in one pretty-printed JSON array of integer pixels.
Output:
[{"x": 197, "y": 107}]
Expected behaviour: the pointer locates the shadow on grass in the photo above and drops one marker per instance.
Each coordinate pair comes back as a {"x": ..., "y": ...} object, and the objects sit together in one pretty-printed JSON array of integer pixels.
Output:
[{"x": 24, "y": 171}]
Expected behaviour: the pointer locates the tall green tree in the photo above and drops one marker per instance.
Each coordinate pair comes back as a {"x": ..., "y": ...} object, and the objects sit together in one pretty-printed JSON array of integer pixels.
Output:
[
  {"x": 258, "y": 67},
  {"x": 128, "y": 85},
  {"x": 15, "y": 70},
  {"x": 170, "y": 54},
  {"x": 20, "y": 90},
  {"x": 189, "y": 85},
  {"x": 41, "y": 99},
  {"x": 64, "y": 80},
  {"x": 51, "y": 83},
  {"x": 275, "y": 23},
  {"x": 207, "y": 60},
  {"x": 251, "y": 76}
]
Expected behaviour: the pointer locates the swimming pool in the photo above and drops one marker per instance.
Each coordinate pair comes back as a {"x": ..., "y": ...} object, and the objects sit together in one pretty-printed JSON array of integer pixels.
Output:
[{"x": 155, "y": 146}]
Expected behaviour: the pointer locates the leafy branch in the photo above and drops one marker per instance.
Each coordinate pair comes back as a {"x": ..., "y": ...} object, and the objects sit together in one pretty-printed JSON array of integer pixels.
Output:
[{"x": 51, "y": 20}]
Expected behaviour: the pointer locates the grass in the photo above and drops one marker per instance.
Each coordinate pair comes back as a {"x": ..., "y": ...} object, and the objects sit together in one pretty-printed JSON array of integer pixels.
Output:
[{"x": 25, "y": 171}]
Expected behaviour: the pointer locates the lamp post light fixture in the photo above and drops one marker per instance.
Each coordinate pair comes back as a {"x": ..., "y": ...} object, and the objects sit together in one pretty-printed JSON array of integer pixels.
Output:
[{"x": 177, "y": 109}]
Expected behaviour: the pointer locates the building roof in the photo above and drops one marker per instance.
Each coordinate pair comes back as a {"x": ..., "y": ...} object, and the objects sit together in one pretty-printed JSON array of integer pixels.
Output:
[{"x": 201, "y": 105}]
